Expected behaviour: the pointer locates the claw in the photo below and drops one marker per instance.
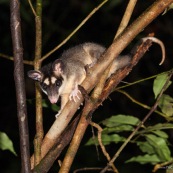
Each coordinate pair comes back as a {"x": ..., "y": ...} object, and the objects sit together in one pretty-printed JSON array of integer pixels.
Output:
[{"x": 74, "y": 94}]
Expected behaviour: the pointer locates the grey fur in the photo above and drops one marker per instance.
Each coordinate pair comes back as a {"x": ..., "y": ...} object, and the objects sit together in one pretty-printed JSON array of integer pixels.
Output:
[
  {"x": 69, "y": 70},
  {"x": 76, "y": 58}
]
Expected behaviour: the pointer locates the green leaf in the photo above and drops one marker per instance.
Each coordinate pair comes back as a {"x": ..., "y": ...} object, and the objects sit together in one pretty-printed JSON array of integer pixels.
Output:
[
  {"x": 152, "y": 159},
  {"x": 161, "y": 126},
  {"x": 160, "y": 147},
  {"x": 116, "y": 129},
  {"x": 92, "y": 141},
  {"x": 145, "y": 147},
  {"x": 159, "y": 82},
  {"x": 55, "y": 108},
  {"x": 45, "y": 103},
  {"x": 157, "y": 129},
  {"x": 166, "y": 105},
  {"x": 106, "y": 139},
  {"x": 161, "y": 134},
  {"x": 120, "y": 120},
  {"x": 6, "y": 143}
]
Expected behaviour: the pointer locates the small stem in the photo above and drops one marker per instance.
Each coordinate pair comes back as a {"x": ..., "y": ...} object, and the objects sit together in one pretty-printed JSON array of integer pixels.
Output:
[
  {"x": 140, "y": 104},
  {"x": 141, "y": 80},
  {"x": 32, "y": 8},
  {"x": 76, "y": 29},
  {"x": 12, "y": 59},
  {"x": 153, "y": 108},
  {"x": 126, "y": 18},
  {"x": 106, "y": 154}
]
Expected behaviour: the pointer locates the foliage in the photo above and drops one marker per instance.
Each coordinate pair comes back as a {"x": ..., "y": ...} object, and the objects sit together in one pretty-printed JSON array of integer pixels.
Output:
[
  {"x": 6, "y": 143},
  {"x": 159, "y": 83},
  {"x": 152, "y": 140},
  {"x": 59, "y": 19}
]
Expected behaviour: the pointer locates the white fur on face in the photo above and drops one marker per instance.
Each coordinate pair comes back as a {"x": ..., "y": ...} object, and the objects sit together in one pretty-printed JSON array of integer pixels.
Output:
[
  {"x": 44, "y": 91},
  {"x": 53, "y": 80},
  {"x": 46, "y": 81}
]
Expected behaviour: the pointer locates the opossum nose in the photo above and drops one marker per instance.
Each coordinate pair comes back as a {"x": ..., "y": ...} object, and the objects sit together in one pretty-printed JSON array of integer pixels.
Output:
[{"x": 53, "y": 100}]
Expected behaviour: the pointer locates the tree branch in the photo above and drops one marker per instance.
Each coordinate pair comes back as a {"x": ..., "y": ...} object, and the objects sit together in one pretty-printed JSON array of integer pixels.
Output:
[
  {"x": 92, "y": 105},
  {"x": 37, "y": 64},
  {"x": 20, "y": 86},
  {"x": 126, "y": 18},
  {"x": 76, "y": 29},
  {"x": 139, "y": 126},
  {"x": 56, "y": 150},
  {"x": 94, "y": 73},
  {"x": 12, "y": 59},
  {"x": 95, "y": 96}
]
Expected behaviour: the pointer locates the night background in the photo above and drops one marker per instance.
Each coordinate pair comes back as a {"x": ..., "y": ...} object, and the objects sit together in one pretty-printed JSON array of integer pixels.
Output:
[{"x": 60, "y": 18}]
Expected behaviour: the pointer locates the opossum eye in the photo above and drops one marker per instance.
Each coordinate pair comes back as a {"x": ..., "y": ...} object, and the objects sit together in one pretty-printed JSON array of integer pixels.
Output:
[
  {"x": 44, "y": 86},
  {"x": 58, "y": 83}
]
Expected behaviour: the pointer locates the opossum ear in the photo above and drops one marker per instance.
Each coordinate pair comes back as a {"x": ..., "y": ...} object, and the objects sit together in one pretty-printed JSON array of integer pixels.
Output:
[
  {"x": 57, "y": 67},
  {"x": 35, "y": 75}
]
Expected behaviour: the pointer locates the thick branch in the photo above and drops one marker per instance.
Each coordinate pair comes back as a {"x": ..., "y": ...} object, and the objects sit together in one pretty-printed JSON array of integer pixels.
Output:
[
  {"x": 91, "y": 106},
  {"x": 20, "y": 86},
  {"x": 55, "y": 151},
  {"x": 94, "y": 75},
  {"x": 95, "y": 95}
]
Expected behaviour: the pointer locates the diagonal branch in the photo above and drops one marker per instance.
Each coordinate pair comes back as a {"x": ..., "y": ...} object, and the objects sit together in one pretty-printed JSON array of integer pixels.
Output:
[
  {"x": 76, "y": 29},
  {"x": 93, "y": 104},
  {"x": 126, "y": 18},
  {"x": 94, "y": 74},
  {"x": 64, "y": 139},
  {"x": 95, "y": 96}
]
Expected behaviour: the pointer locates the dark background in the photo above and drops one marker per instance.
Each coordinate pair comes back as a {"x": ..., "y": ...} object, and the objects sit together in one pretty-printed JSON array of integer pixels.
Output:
[{"x": 60, "y": 18}]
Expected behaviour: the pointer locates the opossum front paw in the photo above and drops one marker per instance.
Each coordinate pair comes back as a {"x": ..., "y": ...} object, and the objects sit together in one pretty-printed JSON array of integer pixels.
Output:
[{"x": 74, "y": 94}]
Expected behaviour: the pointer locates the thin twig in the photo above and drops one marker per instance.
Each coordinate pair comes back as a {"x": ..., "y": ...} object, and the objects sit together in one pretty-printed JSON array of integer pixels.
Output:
[
  {"x": 106, "y": 154},
  {"x": 75, "y": 30},
  {"x": 12, "y": 59},
  {"x": 153, "y": 108},
  {"x": 165, "y": 165},
  {"x": 32, "y": 8},
  {"x": 126, "y": 18},
  {"x": 140, "y": 104},
  {"x": 90, "y": 169},
  {"x": 139, "y": 81}
]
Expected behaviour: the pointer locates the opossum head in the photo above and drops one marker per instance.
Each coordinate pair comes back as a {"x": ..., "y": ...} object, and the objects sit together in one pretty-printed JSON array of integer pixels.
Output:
[{"x": 49, "y": 82}]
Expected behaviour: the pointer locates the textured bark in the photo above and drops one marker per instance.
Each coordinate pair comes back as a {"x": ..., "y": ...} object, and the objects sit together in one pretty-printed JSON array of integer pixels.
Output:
[{"x": 20, "y": 86}]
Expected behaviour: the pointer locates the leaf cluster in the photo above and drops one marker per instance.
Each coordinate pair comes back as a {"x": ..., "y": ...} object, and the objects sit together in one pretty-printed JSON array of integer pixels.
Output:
[{"x": 152, "y": 140}]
